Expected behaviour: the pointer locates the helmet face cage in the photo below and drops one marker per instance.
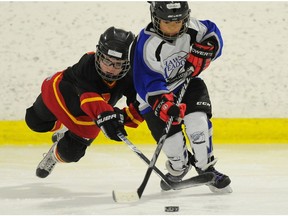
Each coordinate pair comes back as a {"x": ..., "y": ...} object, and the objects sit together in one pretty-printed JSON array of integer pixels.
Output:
[
  {"x": 99, "y": 56},
  {"x": 170, "y": 11},
  {"x": 113, "y": 43},
  {"x": 156, "y": 24}
]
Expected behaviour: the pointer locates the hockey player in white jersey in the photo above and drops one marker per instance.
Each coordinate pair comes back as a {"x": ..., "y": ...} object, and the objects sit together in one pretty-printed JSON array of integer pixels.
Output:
[{"x": 172, "y": 47}]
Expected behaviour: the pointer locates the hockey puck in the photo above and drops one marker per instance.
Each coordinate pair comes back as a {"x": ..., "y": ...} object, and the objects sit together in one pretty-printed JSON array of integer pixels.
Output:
[{"x": 171, "y": 208}]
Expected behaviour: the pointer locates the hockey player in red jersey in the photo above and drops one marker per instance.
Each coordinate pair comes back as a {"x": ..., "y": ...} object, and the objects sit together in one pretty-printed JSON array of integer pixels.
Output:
[{"x": 82, "y": 98}]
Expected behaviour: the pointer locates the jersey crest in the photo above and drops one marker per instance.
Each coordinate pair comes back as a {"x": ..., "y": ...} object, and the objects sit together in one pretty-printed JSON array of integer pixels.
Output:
[{"x": 174, "y": 66}]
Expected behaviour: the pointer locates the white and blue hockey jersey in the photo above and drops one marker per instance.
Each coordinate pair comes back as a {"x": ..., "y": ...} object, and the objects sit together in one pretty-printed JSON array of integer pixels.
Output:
[{"x": 158, "y": 65}]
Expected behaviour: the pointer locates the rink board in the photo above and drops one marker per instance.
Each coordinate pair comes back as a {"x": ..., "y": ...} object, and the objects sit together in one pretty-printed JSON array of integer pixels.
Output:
[{"x": 230, "y": 130}]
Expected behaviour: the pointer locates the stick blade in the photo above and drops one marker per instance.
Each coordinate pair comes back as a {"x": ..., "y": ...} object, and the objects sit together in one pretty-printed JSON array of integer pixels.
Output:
[
  {"x": 205, "y": 178},
  {"x": 125, "y": 197}
]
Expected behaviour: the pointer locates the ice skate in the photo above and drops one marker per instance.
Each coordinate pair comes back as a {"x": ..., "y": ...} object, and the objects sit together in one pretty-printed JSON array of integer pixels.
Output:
[
  {"x": 59, "y": 134},
  {"x": 221, "y": 182},
  {"x": 175, "y": 175},
  {"x": 47, "y": 164}
]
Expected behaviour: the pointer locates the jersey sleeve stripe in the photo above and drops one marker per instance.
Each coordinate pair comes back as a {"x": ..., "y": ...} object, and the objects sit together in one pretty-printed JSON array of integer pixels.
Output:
[{"x": 89, "y": 100}]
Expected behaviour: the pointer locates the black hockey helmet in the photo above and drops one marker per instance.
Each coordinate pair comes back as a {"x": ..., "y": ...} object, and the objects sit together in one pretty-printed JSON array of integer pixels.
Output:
[
  {"x": 114, "y": 43},
  {"x": 169, "y": 11}
]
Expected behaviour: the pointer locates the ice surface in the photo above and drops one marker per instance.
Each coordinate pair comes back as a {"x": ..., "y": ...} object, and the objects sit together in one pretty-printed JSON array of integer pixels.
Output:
[{"x": 258, "y": 172}]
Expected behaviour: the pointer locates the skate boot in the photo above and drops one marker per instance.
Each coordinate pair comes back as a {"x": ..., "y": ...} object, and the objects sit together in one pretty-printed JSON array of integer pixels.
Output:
[
  {"x": 221, "y": 182},
  {"x": 47, "y": 164},
  {"x": 175, "y": 175},
  {"x": 59, "y": 134}
]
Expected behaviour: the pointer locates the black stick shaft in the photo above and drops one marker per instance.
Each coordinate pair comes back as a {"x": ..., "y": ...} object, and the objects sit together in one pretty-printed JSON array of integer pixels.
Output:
[
  {"x": 160, "y": 143},
  {"x": 142, "y": 156}
]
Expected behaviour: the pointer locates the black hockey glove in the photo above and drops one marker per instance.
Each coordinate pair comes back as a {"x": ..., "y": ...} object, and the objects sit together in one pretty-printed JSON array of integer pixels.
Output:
[
  {"x": 110, "y": 123},
  {"x": 200, "y": 57}
]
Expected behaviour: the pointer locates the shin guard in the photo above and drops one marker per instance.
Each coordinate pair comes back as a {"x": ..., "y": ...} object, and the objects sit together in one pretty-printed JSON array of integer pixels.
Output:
[
  {"x": 199, "y": 132},
  {"x": 176, "y": 150}
]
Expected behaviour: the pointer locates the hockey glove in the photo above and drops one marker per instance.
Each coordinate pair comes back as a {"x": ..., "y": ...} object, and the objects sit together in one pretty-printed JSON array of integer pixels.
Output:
[
  {"x": 200, "y": 57},
  {"x": 110, "y": 123},
  {"x": 164, "y": 107}
]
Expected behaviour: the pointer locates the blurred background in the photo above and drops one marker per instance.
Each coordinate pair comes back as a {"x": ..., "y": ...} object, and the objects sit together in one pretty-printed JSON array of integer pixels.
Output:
[{"x": 248, "y": 84}]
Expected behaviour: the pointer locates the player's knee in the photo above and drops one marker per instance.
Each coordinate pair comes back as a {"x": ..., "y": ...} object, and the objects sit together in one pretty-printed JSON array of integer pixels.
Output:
[
  {"x": 198, "y": 126},
  {"x": 71, "y": 148},
  {"x": 196, "y": 119},
  {"x": 35, "y": 123}
]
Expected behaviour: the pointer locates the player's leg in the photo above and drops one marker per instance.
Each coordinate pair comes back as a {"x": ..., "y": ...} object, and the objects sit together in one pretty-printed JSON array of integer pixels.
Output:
[
  {"x": 70, "y": 148},
  {"x": 175, "y": 148},
  {"x": 58, "y": 134},
  {"x": 199, "y": 132},
  {"x": 38, "y": 118}
]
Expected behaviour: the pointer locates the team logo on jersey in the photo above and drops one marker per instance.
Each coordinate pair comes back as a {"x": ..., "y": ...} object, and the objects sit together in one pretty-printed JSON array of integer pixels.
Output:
[{"x": 174, "y": 67}]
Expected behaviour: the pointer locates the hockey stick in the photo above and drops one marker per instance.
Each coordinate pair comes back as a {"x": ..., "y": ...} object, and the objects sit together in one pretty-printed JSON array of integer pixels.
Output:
[
  {"x": 137, "y": 195},
  {"x": 142, "y": 156},
  {"x": 194, "y": 181}
]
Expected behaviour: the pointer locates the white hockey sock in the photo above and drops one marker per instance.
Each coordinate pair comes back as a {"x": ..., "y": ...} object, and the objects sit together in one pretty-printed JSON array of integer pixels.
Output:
[
  {"x": 176, "y": 150},
  {"x": 199, "y": 132}
]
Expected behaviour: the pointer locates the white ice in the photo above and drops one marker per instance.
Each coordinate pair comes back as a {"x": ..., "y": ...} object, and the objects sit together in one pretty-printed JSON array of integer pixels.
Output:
[{"x": 259, "y": 177}]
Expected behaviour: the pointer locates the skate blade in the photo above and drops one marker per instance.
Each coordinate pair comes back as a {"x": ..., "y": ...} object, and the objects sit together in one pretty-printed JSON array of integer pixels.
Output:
[{"x": 225, "y": 190}]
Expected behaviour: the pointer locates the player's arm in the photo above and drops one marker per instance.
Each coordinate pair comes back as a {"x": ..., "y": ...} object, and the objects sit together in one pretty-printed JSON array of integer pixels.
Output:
[
  {"x": 109, "y": 121},
  {"x": 206, "y": 48},
  {"x": 212, "y": 36},
  {"x": 132, "y": 116}
]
